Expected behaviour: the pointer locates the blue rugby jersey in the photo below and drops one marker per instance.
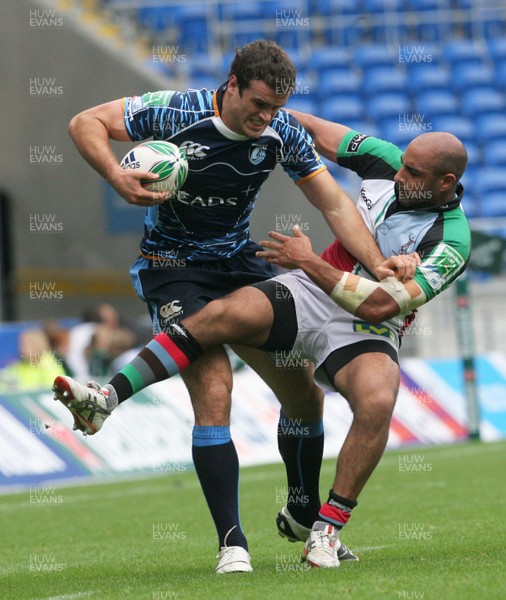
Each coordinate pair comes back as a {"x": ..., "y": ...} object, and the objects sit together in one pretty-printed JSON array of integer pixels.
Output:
[{"x": 209, "y": 217}]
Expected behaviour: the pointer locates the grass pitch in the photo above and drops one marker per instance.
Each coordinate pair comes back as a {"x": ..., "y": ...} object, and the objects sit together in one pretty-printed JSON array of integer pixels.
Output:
[{"x": 430, "y": 524}]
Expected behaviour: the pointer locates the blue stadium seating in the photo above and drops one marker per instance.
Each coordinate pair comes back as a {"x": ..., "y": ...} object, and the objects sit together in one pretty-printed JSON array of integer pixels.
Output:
[
  {"x": 429, "y": 78},
  {"x": 459, "y": 52},
  {"x": 384, "y": 79},
  {"x": 363, "y": 127},
  {"x": 388, "y": 106},
  {"x": 490, "y": 128},
  {"x": 483, "y": 101},
  {"x": 490, "y": 180},
  {"x": 474, "y": 154},
  {"x": 373, "y": 56},
  {"x": 466, "y": 76},
  {"x": 329, "y": 58},
  {"x": 393, "y": 131},
  {"x": 494, "y": 153},
  {"x": 497, "y": 48},
  {"x": 493, "y": 204},
  {"x": 338, "y": 83},
  {"x": 500, "y": 75},
  {"x": 303, "y": 104},
  {"x": 342, "y": 110},
  {"x": 436, "y": 103},
  {"x": 335, "y": 7},
  {"x": 462, "y": 127}
]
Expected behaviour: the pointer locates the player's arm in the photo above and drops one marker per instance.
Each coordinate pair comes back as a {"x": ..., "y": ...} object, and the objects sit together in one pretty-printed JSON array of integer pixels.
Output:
[
  {"x": 372, "y": 301},
  {"x": 345, "y": 221},
  {"x": 91, "y": 131},
  {"x": 327, "y": 136}
]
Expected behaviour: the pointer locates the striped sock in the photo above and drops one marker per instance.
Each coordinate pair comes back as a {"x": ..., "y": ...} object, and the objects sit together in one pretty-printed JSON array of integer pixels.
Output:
[
  {"x": 164, "y": 356},
  {"x": 337, "y": 510}
]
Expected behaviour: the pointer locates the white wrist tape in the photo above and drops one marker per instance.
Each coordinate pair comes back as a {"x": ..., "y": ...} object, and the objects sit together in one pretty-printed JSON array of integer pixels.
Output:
[
  {"x": 351, "y": 296},
  {"x": 397, "y": 290}
]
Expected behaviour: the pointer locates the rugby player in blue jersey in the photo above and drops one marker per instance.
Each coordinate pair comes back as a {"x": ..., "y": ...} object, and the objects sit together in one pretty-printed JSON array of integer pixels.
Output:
[
  {"x": 196, "y": 245},
  {"x": 332, "y": 311}
]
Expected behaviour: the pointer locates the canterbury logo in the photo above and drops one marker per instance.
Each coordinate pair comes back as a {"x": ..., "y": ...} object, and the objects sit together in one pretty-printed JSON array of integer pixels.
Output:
[
  {"x": 169, "y": 309},
  {"x": 193, "y": 149}
]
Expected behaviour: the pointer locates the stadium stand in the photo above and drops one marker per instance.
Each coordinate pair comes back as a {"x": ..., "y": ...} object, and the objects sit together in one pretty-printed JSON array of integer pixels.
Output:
[{"x": 397, "y": 68}]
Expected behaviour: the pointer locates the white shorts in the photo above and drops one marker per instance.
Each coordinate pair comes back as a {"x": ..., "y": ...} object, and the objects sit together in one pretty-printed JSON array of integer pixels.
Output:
[{"x": 323, "y": 326}]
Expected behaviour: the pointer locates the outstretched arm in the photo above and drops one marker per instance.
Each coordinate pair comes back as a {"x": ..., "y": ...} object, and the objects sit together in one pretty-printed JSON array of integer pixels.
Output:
[{"x": 370, "y": 300}]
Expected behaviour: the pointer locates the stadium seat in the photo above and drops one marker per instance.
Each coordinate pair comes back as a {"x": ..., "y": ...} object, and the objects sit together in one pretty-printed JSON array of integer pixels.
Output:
[
  {"x": 468, "y": 180},
  {"x": 373, "y": 56},
  {"x": 392, "y": 131},
  {"x": 493, "y": 204},
  {"x": 471, "y": 205},
  {"x": 431, "y": 22},
  {"x": 500, "y": 75},
  {"x": 489, "y": 128},
  {"x": 338, "y": 83},
  {"x": 382, "y": 79},
  {"x": 342, "y": 110},
  {"x": 335, "y": 7},
  {"x": 329, "y": 58},
  {"x": 388, "y": 106},
  {"x": 462, "y": 127},
  {"x": 363, "y": 127},
  {"x": 492, "y": 22},
  {"x": 479, "y": 102},
  {"x": 293, "y": 39},
  {"x": 494, "y": 153},
  {"x": 429, "y": 78},
  {"x": 193, "y": 30},
  {"x": 490, "y": 180},
  {"x": 419, "y": 55},
  {"x": 459, "y": 52},
  {"x": 437, "y": 103},
  {"x": 471, "y": 76},
  {"x": 474, "y": 155},
  {"x": 241, "y": 36},
  {"x": 303, "y": 104},
  {"x": 497, "y": 48},
  {"x": 158, "y": 19}
]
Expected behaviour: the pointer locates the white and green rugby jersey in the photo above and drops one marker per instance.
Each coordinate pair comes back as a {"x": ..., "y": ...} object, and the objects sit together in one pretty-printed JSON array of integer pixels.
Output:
[{"x": 441, "y": 236}]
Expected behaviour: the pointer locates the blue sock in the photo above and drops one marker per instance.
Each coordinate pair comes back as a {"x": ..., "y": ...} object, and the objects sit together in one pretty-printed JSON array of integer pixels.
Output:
[
  {"x": 217, "y": 466},
  {"x": 300, "y": 444}
]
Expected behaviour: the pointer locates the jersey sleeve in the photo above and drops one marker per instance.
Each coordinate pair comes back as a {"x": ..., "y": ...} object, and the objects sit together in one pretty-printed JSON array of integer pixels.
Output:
[
  {"x": 444, "y": 260},
  {"x": 297, "y": 155},
  {"x": 369, "y": 157},
  {"x": 162, "y": 114}
]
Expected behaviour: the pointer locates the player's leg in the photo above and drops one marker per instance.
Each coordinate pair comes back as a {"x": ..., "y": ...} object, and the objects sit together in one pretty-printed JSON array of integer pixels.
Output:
[
  {"x": 300, "y": 435},
  {"x": 242, "y": 317},
  {"x": 370, "y": 383},
  {"x": 209, "y": 382}
]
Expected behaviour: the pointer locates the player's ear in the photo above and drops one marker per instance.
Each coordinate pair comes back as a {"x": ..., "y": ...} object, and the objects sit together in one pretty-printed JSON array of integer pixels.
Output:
[
  {"x": 232, "y": 83},
  {"x": 448, "y": 181}
]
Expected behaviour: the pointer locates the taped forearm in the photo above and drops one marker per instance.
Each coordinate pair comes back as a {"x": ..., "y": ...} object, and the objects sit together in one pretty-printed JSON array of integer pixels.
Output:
[{"x": 352, "y": 291}]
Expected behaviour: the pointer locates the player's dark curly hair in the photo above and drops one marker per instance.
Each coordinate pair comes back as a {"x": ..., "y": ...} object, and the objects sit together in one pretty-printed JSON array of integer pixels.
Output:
[{"x": 265, "y": 61}]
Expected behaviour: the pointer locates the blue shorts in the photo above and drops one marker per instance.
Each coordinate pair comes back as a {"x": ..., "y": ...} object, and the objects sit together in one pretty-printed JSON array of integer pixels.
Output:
[{"x": 176, "y": 288}]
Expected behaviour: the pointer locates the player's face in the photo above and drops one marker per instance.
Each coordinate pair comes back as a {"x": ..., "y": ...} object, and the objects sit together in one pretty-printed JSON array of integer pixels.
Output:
[
  {"x": 248, "y": 112},
  {"x": 416, "y": 185}
]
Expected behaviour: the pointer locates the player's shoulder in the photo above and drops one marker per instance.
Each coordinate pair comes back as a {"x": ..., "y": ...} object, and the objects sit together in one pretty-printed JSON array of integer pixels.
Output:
[
  {"x": 202, "y": 98},
  {"x": 285, "y": 124}
]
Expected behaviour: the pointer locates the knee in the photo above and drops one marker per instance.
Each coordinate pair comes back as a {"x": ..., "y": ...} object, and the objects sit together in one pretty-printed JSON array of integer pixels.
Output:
[{"x": 375, "y": 411}]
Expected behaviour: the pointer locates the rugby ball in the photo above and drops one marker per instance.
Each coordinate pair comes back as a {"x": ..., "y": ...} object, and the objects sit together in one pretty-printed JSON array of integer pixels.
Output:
[{"x": 163, "y": 158}]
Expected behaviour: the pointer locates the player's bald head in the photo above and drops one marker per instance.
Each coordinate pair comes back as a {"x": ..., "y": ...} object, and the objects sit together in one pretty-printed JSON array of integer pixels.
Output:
[{"x": 443, "y": 152}]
